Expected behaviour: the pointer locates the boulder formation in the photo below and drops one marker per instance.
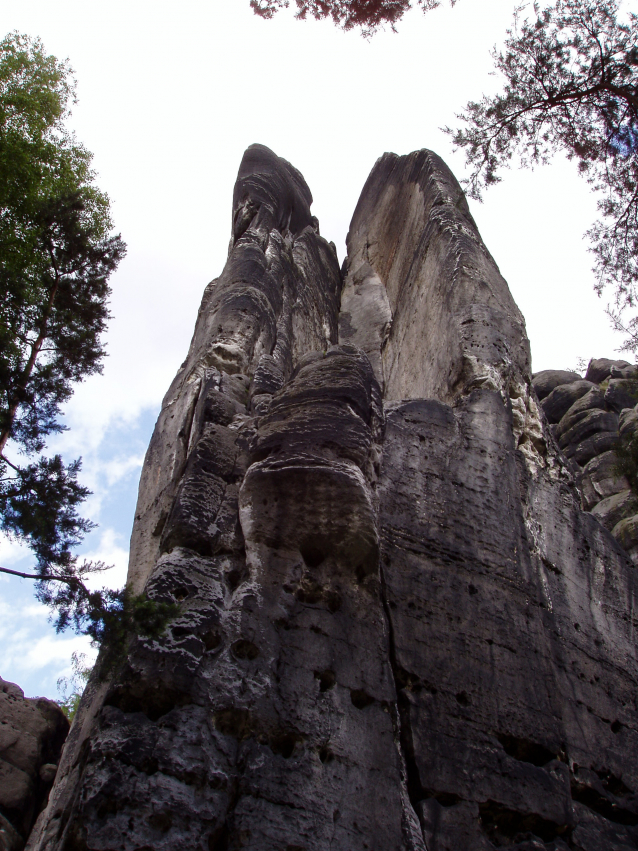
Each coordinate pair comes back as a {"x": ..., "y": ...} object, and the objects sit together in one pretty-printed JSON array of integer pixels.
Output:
[
  {"x": 32, "y": 732},
  {"x": 588, "y": 417},
  {"x": 398, "y": 627}
]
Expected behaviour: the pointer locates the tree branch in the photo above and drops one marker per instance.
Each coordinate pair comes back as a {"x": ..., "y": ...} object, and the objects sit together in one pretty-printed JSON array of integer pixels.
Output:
[
  {"x": 70, "y": 580},
  {"x": 6, "y": 461}
]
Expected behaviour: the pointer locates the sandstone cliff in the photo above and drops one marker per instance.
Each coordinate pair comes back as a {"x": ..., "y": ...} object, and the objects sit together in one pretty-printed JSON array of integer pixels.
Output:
[
  {"x": 32, "y": 732},
  {"x": 398, "y": 628}
]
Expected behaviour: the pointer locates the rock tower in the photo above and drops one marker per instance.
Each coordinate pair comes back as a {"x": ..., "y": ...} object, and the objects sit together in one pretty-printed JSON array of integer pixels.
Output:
[{"x": 398, "y": 630}]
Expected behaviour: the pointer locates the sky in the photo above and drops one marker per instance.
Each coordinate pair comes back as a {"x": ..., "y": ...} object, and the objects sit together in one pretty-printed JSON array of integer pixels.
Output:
[{"x": 169, "y": 97}]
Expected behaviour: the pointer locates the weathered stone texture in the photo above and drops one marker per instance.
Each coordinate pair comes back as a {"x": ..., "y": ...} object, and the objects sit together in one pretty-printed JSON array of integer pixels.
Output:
[
  {"x": 412, "y": 231},
  {"x": 32, "y": 732},
  {"x": 398, "y": 627}
]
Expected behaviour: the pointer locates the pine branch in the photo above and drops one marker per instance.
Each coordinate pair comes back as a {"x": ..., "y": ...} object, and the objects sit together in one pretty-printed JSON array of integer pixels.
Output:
[{"x": 69, "y": 579}]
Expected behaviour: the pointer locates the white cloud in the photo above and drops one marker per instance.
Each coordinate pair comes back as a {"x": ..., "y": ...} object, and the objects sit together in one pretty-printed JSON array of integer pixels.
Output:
[
  {"x": 32, "y": 654},
  {"x": 45, "y": 652},
  {"x": 10, "y": 553},
  {"x": 110, "y": 552},
  {"x": 117, "y": 468}
]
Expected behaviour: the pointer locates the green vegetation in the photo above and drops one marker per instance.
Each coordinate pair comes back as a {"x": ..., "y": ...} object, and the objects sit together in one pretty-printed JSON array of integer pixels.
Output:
[
  {"x": 570, "y": 84},
  {"x": 71, "y": 688},
  {"x": 56, "y": 256},
  {"x": 368, "y": 15}
]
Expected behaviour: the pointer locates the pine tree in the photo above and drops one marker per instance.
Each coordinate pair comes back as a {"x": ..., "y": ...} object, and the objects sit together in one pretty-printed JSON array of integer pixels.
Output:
[
  {"x": 570, "y": 84},
  {"x": 56, "y": 257}
]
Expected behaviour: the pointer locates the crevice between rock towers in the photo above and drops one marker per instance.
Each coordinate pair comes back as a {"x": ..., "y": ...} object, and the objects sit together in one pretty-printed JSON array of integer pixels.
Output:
[{"x": 354, "y": 496}]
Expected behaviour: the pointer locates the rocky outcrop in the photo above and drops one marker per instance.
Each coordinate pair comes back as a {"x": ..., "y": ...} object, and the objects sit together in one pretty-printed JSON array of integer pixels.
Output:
[
  {"x": 588, "y": 419},
  {"x": 32, "y": 732},
  {"x": 398, "y": 628}
]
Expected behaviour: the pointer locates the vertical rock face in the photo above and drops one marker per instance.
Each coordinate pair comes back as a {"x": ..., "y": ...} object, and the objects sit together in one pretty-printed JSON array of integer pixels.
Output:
[{"x": 398, "y": 629}]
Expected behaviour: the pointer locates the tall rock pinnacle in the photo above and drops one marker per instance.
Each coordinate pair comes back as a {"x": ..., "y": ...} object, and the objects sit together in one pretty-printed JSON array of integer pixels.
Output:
[{"x": 398, "y": 631}]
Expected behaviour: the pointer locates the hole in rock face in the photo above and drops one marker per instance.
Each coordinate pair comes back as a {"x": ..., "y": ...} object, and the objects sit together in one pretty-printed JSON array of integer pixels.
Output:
[
  {"x": 283, "y": 744},
  {"x": 211, "y": 640},
  {"x": 333, "y": 601},
  {"x": 360, "y": 573},
  {"x": 410, "y": 682},
  {"x": 472, "y": 589},
  {"x": 311, "y": 595},
  {"x": 180, "y": 594},
  {"x": 159, "y": 528},
  {"x": 233, "y": 722},
  {"x": 219, "y": 839},
  {"x": 616, "y": 727},
  {"x": 446, "y": 799},
  {"x": 154, "y": 700},
  {"x": 181, "y": 631},
  {"x": 526, "y": 751},
  {"x": 235, "y": 577},
  {"x": 463, "y": 699},
  {"x": 244, "y": 649},
  {"x": 326, "y": 678},
  {"x": 161, "y": 821},
  {"x": 360, "y": 698},
  {"x": 312, "y": 554},
  {"x": 325, "y": 755}
]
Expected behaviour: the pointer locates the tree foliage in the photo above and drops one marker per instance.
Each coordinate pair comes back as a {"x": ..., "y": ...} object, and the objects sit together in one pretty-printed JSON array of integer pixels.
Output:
[
  {"x": 56, "y": 256},
  {"x": 570, "y": 84},
  {"x": 367, "y": 15},
  {"x": 71, "y": 688}
]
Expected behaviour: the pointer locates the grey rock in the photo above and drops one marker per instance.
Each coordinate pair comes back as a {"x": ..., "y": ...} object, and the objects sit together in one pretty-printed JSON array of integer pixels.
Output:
[
  {"x": 594, "y": 832},
  {"x": 10, "y": 839},
  {"x": 397, "y": 628},
  {"x": 600, "y": 368},
  {"x": 32, "y": 732},
  {"x": 599, "y": 479},
  {"x": 594, "y": 399},
  {"x": 47, "y": 772},
  {"x": 590, "y": 423},
  {"x": 626, "y": 532},
  {"x": 621, "y": 393},
  {"x": 406, "y": 203},
  {"x": 545, "y": 381},
  {"x": 612, "y": 509},
  {"x": 628, "y": 421},
  {"x": 560, "y": 400},
  {"x": 624, "y": 372},
  {"x": 590, "y": 447}
]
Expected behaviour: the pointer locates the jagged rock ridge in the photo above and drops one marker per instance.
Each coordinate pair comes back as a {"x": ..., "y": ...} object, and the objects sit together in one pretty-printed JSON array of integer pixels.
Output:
[{"x": 398, "y": 628}]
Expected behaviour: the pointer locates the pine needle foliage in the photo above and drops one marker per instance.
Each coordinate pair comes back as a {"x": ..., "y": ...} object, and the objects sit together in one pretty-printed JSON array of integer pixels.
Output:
[
  {"x": 570, "y": 85},
  {"x": 56, "y": 256},
  {"x": 366, "y": 15}
]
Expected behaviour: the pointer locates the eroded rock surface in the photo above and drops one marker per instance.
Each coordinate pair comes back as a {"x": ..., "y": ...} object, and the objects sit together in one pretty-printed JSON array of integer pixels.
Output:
[
  {"x": 398, "y": 627},
  {"x": 32, "y": 732}
]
